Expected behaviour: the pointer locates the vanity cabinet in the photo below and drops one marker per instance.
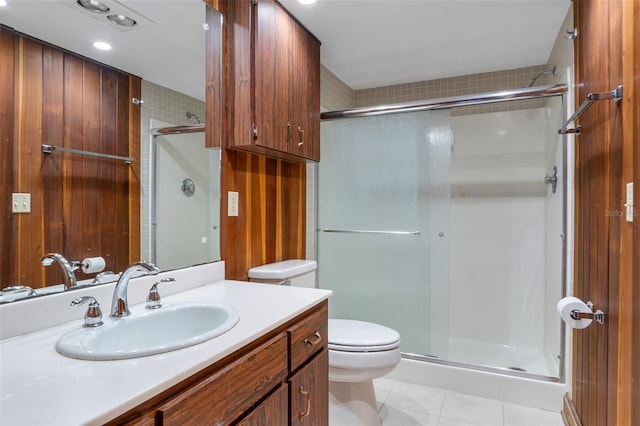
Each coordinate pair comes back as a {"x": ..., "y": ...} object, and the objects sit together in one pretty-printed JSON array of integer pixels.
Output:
[
  {"x": 279, "y": 379},
  {"x": 273, "y": 82},
  {"x": 309, "y": 370}
]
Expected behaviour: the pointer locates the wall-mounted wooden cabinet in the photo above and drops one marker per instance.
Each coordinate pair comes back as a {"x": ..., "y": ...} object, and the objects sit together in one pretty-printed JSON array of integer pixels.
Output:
[{"x": 272, "y": 82}]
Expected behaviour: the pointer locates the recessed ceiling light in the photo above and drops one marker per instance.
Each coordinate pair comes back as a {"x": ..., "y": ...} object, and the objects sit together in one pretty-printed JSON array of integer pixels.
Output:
[
  {"x": 3, "y": 3},
  {"x": 93, "y": 6},
  {"x": 123, "y": 20},
  {"x": 306, "y": 1},
  {"x": 102, "y": 45}
]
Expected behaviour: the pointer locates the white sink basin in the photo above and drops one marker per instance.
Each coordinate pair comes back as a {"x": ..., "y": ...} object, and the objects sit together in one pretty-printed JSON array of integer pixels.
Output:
[{"x": 152, "y": 332}]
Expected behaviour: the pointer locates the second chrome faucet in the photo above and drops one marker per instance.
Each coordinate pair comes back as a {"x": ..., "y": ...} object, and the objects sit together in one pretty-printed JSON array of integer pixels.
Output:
[
  {"x": 119, "y": 304},
  {"x": 67, "y": 266}
]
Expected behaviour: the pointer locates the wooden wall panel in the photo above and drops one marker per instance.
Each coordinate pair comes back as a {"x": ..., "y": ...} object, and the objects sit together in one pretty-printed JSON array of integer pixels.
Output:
[
  {"x": 271, "y": 223},
  {"x": 8, "y": 270},
  {"x": 52, "y": 132},
  {"x": 81, "y": 206},
  {"x": 131, "y": 87},
  {"x": 628, "y": 409},
  {"x": 29, "y": 137},
  {"x": 605, "y": 390}
]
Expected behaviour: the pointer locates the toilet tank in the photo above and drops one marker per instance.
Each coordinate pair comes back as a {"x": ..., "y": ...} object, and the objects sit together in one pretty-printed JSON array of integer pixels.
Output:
[{"x": 295, "y": 272}]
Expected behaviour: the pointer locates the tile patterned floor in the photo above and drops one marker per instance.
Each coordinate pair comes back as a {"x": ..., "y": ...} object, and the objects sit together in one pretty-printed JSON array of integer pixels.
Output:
[{"x": 404, "y": 404}]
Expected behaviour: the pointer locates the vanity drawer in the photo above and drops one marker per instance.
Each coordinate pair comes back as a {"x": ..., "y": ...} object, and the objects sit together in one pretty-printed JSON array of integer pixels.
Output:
[
  {"x": 216, "y": 399},
  {"x": 308, "y": 337}
]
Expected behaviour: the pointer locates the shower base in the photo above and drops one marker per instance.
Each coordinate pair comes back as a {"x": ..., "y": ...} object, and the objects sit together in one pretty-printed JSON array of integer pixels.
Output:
[
  {"x": 538, "y": 393},
  {"x": 514, "y": 358}
]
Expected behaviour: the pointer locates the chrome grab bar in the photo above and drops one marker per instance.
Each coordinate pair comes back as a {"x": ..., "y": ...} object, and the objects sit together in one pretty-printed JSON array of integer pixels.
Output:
[
  {"x": 48, "y": 149},
  {"x": 362, "y": 231}
]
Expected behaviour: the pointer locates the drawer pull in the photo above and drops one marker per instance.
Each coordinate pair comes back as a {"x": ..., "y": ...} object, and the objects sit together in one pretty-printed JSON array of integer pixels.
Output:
[
  {"x": 307, "y": 409},
  {"x": 301, "y": 134},
  {"x": 314, "y": 342}
]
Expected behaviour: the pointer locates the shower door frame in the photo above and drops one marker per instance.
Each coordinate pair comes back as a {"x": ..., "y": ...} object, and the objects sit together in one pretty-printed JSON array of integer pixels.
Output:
[
  {"x": 164, "y": 131},
  {"x": 527, "y": 93}
]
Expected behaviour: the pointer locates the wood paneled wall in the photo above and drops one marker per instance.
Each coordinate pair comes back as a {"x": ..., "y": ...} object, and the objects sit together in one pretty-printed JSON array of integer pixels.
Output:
[
  {"x": 7, "y": 257},
  {"x": 606, "y": 379},
  {"x": 271, "y": 221},
  {"x": 80, "y": 206}
]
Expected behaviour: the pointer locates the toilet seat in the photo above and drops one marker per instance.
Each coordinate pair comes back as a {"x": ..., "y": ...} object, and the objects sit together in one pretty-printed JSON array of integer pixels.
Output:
[{"x": 361, "y": 336}]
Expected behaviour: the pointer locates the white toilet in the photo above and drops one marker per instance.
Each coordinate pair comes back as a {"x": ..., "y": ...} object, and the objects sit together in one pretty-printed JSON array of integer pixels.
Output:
[{"x": 358, "y": 351}]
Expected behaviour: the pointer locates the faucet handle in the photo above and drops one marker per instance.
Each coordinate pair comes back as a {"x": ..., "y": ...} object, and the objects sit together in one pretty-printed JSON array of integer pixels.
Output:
[
  {"x": 98, "y": 277},
  {"x": 153, "y": 300},
  {"x": 93, "y": 316}
]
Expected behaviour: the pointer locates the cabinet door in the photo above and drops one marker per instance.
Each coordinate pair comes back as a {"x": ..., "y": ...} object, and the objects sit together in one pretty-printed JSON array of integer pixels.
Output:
[
  {"x": 309, "y": 393},
  {"x": 273, "y": 411},
  {"x": 305, "y": 93},
  {"x": 271, "y": 50}
]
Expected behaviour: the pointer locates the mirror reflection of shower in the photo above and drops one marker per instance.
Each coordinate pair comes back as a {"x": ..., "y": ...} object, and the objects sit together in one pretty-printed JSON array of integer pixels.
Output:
[{"x": 186, "y": 199}]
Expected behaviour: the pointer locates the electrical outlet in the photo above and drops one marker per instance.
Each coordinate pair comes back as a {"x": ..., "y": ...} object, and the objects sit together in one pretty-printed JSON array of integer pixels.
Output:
[
  {"x": 21, "y": 203},
  {"x": 232, "y": 198}
]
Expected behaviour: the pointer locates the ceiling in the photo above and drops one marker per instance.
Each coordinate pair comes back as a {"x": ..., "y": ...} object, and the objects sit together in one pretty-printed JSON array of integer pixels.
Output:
[
  {"x": 373, "y": 43},
  {"x": 366, "y": 43}
]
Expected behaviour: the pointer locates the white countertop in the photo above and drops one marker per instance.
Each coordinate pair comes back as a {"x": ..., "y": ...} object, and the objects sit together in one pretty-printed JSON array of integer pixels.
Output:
[{"x": 38, "y": 386}]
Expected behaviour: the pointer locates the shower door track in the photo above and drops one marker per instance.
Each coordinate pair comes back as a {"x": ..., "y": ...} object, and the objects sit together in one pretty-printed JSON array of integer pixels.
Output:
[
  {"x": 450, "y": 102},
  {"x": 485, "y": 368}
]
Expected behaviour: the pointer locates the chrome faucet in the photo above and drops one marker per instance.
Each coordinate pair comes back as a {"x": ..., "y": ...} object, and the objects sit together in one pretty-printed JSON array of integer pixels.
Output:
[
  {"x": 119, "y": 304},
  {"x": 68, "y": 268}
]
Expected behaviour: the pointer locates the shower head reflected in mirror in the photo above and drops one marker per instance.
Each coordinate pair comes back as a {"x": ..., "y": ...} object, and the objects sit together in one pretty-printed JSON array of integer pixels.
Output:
[
  {"x": 540, "y": 74},
  {"x": 191, "y": 115}
]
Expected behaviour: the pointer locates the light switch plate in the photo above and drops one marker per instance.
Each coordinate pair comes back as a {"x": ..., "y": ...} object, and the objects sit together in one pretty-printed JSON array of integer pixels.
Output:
[
  {"x": 629, "y": 203},
  {"x": 232, "y": 198},
  {"x": 21, "y": 203}
]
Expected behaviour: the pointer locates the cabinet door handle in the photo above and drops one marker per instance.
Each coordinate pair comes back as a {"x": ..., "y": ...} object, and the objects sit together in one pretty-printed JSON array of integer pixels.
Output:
[
  {"x": 315, "y": 341},
  {"x": 301, "y": 134},
  {"x": 307, "y": 409},
  {"x": 289, "y": 132}
]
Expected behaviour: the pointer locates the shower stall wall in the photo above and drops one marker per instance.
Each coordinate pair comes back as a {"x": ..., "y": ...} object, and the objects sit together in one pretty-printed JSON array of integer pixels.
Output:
[{"x": 439, "y": 224}]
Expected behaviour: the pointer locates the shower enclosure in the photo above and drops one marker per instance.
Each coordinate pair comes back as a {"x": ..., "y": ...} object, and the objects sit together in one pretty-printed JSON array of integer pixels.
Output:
[
  {"x": 442, "y": 223},
  {"x": 186, "y": 204}
]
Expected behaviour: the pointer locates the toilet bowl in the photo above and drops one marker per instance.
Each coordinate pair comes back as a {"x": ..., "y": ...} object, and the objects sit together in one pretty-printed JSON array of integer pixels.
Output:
[{"x": 359, "y": 351}]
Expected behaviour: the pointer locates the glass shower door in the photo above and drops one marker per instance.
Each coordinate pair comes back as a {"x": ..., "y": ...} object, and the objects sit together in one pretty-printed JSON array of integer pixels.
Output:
[{"x": 383, "y": 192}]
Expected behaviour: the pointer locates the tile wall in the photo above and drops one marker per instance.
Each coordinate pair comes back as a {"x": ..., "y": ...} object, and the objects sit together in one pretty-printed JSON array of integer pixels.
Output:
[{"x": 457, "y": 86}]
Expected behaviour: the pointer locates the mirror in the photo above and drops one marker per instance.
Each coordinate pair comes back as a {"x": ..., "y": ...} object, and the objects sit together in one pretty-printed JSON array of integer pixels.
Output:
[{"x": 166, "y": 49}]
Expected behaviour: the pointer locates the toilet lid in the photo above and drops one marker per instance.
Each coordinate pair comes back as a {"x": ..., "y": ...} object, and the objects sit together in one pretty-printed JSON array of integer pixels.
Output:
[{"x": 361, "y": 336}]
